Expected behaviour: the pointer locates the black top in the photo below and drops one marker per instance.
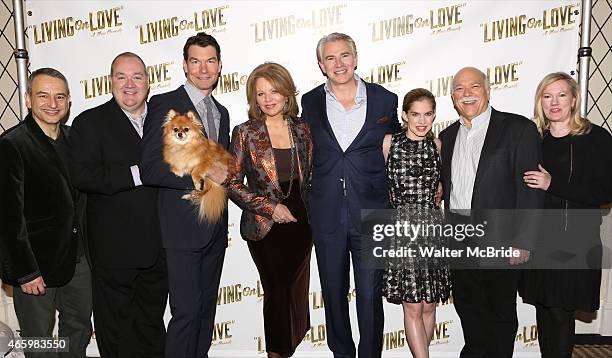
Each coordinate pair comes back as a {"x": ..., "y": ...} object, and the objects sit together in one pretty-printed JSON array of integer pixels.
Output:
[
  {"x": 283, "y": 164},
  {"x": 580, "y": 167}
]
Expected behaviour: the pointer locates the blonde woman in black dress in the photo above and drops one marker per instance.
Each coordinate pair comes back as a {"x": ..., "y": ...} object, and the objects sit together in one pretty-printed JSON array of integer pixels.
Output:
[
  {"x": 413, "y": 171},
  {"x": 575, "y": 174}
]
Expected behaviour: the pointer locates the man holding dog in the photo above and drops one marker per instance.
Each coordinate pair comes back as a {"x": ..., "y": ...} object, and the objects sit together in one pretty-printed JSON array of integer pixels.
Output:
[
  {"x": 130, "y": 284},
  {"x": 194, "y": 249}
]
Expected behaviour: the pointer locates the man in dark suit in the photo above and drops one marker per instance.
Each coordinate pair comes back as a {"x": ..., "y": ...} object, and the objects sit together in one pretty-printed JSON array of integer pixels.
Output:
[
  {"x": 41, "y": 243},
  {"x": 348, "y": 119},
  {"x": 129, "y": 267},
  {"x": 484, "y": 156},
  {"x": 194, "y": 249}
]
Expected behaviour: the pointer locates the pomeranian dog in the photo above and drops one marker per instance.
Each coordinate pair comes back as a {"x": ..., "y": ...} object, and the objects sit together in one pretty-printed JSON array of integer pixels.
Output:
[{"x": 187, "y": 151}]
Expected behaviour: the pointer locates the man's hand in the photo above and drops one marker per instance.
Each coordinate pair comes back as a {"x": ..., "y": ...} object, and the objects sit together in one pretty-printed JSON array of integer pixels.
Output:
[
  {"x": 217, "y": 172},
  {"x": 282, "y": 214},
  {"x": 521, "y": 259},
  {"x": 35, "y": 287}
]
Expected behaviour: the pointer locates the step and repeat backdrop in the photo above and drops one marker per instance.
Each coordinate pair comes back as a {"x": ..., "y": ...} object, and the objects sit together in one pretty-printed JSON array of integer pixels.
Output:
[{"x": 401, "y": 45}]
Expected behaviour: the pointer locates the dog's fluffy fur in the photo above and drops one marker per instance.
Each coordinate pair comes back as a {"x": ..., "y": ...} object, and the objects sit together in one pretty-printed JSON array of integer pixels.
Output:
[{"x": 187, "y": 151}]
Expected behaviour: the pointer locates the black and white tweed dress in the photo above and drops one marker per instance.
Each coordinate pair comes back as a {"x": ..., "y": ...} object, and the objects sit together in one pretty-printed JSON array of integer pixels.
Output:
[{"x": 413, "y": 172}]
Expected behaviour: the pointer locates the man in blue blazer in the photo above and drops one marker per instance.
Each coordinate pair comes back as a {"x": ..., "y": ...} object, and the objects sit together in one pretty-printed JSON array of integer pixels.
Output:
[
  {"x": 194, "y": 250},
  {"x": 348, "y": 119}
]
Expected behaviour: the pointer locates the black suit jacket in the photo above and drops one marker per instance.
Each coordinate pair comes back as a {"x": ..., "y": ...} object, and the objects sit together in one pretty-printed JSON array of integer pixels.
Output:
[
  {"x": 178, "y": 217},
  {"x": 511, "y": 147},
  {"x": 122, "y": 223},
  {"x": 38, "y": 225}
]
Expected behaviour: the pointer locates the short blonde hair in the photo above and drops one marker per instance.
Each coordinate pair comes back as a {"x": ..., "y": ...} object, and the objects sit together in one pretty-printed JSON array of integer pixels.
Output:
[
  {"x": 578, "y": 125},
  {"x": 281, "y": 80}
]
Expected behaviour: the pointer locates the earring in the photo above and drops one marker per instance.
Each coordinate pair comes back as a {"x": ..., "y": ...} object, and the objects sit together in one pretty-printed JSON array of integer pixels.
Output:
[{"x": 286, "y": 107}]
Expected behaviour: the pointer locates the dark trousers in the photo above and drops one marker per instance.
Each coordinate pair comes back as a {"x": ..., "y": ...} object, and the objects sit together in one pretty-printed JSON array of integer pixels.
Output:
[
  {"x": 36, "y": 314},
  {"x": 193, "y": 277},
  {"x": 129, "y": 306},
  {"x": 556, "y": 328},
  {"x": 485, "y": 300},
  {"x": 332, "y": 251}
]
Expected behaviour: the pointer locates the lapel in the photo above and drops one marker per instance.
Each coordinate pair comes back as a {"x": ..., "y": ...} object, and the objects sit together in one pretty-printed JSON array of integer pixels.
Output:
[
  {"x": 447, "y": 154},
  {"x": 301, "y": 147},
  {"x": 266, "y": 155},
  {"x": 47, "y": 149},
  {"x": 372, "y": 104},
  {"x": 323, "y": 117},
  {"x": 122, "y": 121},
  {"x": 223, "y": 124},
  {"x": 494, "y": 132}
]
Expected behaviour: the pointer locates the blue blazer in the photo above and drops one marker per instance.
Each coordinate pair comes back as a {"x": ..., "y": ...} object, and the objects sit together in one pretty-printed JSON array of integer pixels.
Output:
[
  {"x": 357, "y": 175},
  {"x": 178, "y": 219}
]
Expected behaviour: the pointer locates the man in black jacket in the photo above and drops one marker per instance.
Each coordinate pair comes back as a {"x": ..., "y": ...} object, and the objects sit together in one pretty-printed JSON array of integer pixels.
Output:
[
  {"x": 484, "y": 156},
  {"x": 129, "y": 267},
  {"x": 41, "y": 244},
  {"x": 195, "y": 250}
]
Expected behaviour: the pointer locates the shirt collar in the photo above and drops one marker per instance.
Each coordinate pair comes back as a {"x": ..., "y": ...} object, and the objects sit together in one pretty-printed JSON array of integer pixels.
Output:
[
  {"x": 195, "y": 95},
  {"x": 360, "y": 95},
  {"x": 480, "y": 120},
  {"x": 140, "y": 118}
]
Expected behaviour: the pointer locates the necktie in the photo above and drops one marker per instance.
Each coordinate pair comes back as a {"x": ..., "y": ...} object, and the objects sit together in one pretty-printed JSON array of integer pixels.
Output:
[{"x": 210, "y": 120}]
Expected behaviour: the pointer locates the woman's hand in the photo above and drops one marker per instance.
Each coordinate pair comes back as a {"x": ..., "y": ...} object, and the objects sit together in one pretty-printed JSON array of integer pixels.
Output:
[
  {"x": 537, "y": 179},
  {"x": 282, "y": 214}
]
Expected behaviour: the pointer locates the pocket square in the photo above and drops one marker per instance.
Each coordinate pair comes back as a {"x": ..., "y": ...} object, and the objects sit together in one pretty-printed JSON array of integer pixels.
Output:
[{"x": 382, "y": 120}]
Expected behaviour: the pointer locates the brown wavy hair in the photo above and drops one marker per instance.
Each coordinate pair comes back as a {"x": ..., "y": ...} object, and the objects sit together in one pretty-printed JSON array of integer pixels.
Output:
[
  {"x": 415, "y": 95},
  {"x": 578, "y": 125},
  {"x": 281, "y": 80}
]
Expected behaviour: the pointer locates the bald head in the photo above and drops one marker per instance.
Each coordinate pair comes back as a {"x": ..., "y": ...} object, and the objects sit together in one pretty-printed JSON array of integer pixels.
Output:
[{"x": 470, "y": 93}]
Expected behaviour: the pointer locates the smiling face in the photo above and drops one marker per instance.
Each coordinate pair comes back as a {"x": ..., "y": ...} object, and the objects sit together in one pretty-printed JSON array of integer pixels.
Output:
[
  {"x": 338, "y": 62},
  {"x": 557, "y": 101},
  {"x": 49, "y": 101},
  {"x": 202, "y": 67},
  {"x": 269, "y": 100},
  {"x": 130, "y": 84},
  {"x": 470, "y": 93},
  {"x": 419, "y": 119}
]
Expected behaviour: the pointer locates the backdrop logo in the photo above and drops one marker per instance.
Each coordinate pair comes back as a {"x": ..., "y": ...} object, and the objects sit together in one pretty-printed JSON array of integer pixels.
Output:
[
  {"x": 158, "y": 75},
  {"x": 441, "y": 86},
  {"x": 503, "y": 76},
  {"x": 394, "y": 340},
  {"x": 528, "y": 335},
  {"x": 386, "y": 74},
  {"x": 101, "y": 85},
  {"x": 440, "y": 333},
  {"x": 317, "y": 300},
  {"x": 439, "y": 126},
  {"x": 230, "y": 82},
  {"x": 97, "y": 23},
  {"x": 439, "y": 20},
  {"x": 553, "y": 20},
  {"x": 320, "y": 20},
  {"x": 236, "y": 292},
  {"x": 222, "y": 332},
  {"x": 210, "y": 20},
  {"x": 317, "y": 335}
]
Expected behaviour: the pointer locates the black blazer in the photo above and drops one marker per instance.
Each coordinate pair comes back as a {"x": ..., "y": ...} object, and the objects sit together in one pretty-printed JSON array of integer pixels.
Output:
[
  {"x": 38, "y": 225},
  {"x": 511, "y": 147},
  {"x": 122, "y": 223},
  {"x": 179, "y": 221}
]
